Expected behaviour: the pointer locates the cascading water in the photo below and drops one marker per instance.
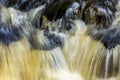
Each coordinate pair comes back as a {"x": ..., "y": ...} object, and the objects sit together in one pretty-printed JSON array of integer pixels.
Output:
[
  {"x": 59, "y": 40},
  {"x": 92, "y": 59}
]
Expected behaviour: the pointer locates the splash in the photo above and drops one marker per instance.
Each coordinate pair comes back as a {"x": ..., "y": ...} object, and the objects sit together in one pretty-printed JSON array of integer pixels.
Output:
[
  {"x": 69, "y": 46},
  {"x": 89, "y": 57}
]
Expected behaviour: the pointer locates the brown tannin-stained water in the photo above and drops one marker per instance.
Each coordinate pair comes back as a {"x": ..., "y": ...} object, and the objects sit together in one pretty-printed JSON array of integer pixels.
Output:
[
  {"x": 90, "y": 58},
  {"x": 60, "y": 40}
]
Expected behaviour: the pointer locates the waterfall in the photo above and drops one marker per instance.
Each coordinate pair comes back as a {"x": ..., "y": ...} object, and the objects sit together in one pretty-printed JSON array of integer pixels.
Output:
[{"x": 59, "y": 40}]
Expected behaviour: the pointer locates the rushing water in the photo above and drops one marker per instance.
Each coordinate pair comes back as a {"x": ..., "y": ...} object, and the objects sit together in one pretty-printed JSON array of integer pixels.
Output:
[{"x": 73, "y": 41}]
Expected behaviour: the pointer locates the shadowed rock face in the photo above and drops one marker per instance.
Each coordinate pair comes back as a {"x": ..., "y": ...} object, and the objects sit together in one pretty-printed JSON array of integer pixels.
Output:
[
  {"x": 25, "y": 5},
  {"x": 16, "y": 25},
  {"x": 109, "y": 37},
  {"x": 101, "y": 13},
  {"x": 58, "y": 9},
  {"x": 8, "y": 34}
]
